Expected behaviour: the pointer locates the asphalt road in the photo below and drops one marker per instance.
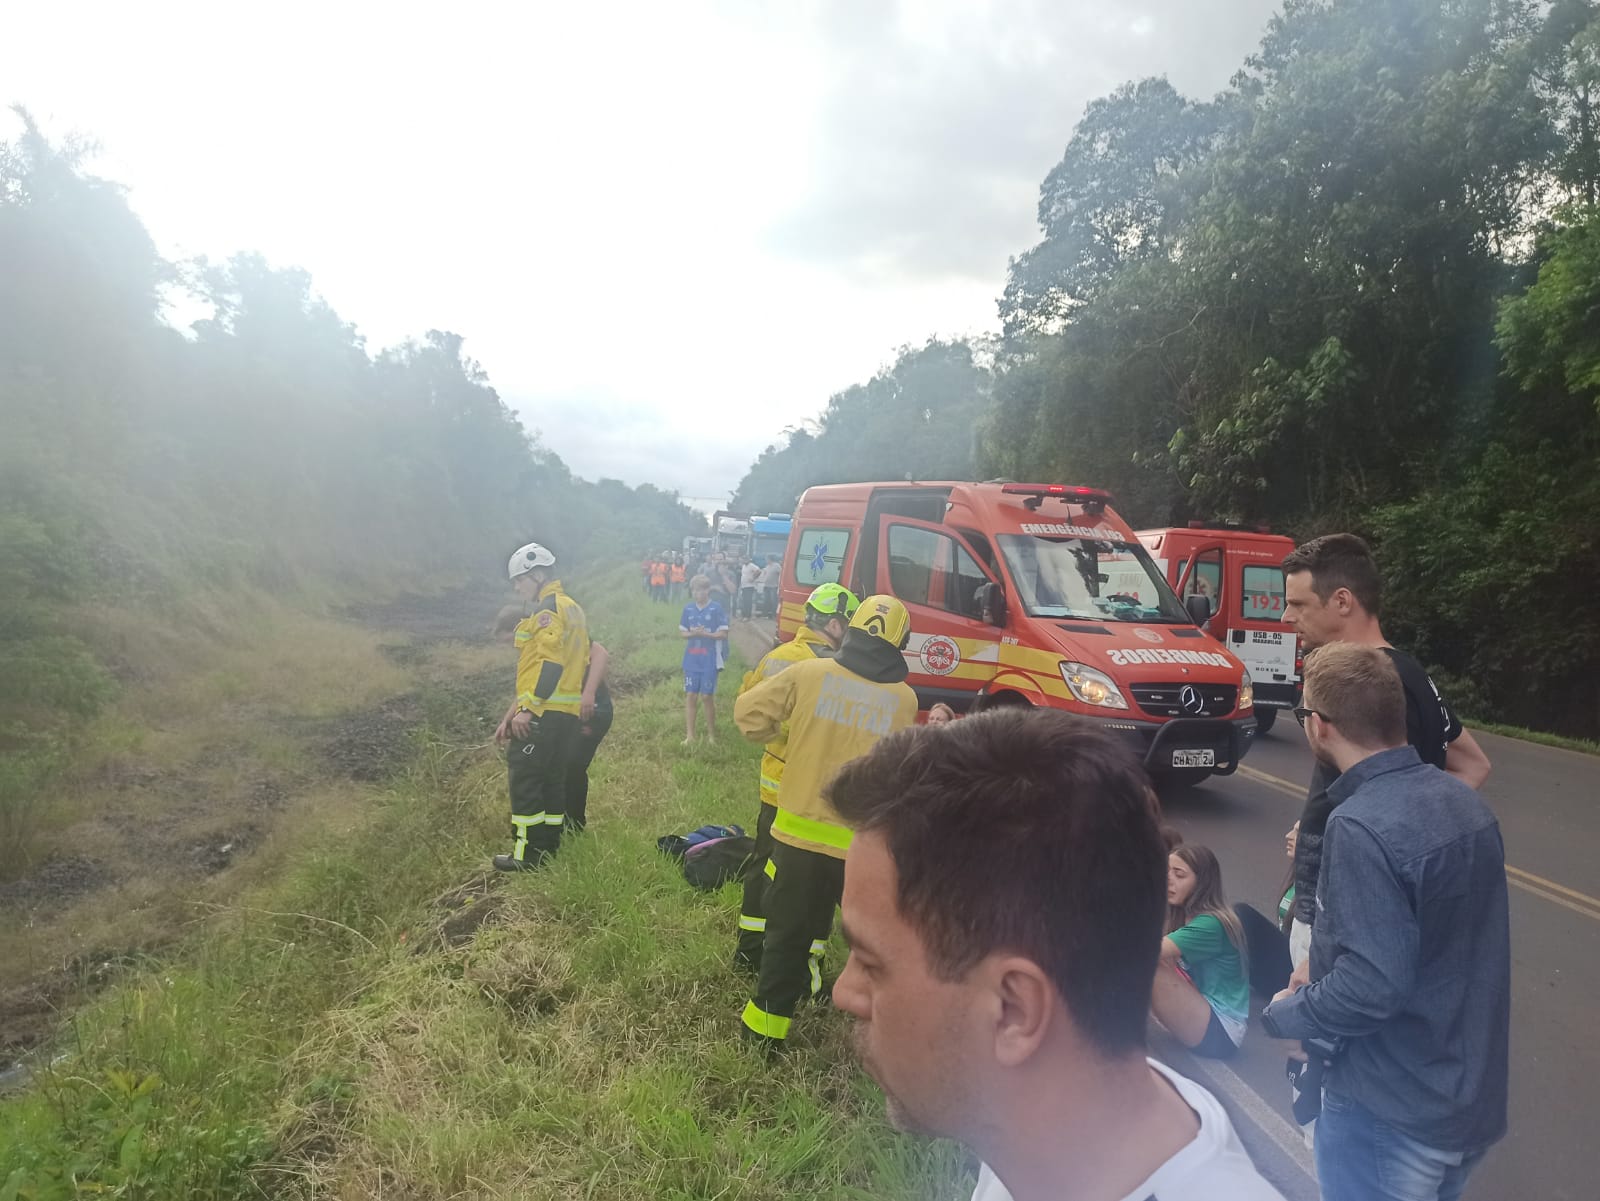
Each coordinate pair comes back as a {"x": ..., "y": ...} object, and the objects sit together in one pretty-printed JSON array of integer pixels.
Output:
[{"x": 1548, "y": 804}]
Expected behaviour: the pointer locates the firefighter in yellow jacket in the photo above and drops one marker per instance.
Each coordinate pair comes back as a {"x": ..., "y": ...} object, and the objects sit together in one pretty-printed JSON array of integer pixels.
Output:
[
  {"x": 828, "y": 612},
  {"x": 836, "y": 709},
  {"x": 539, "y": 729}
]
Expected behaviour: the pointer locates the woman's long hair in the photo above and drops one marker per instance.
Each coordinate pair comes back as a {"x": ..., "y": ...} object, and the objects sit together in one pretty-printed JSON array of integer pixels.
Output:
[
  {"x": 1206, "y": 896},
  {"x": 1287, "y": 921}
]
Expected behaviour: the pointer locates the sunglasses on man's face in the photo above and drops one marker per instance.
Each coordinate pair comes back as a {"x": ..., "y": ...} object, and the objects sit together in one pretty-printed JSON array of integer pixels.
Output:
[{"x": 1302, "y": 713}]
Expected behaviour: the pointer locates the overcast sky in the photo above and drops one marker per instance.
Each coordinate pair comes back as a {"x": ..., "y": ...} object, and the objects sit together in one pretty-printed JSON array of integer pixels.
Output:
[{"x": 668, "y": 230}]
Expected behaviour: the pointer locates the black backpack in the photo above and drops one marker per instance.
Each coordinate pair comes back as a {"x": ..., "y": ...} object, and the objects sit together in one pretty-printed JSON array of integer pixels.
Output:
[{"x": 711, "y": 864}]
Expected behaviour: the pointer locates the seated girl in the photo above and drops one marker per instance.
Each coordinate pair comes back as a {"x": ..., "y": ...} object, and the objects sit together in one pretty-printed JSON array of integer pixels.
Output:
[{"x": 1200, "y": 992}]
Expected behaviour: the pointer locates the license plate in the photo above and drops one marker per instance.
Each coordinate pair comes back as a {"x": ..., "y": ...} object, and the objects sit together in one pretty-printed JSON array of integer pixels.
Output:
[{"x": 1205, "y": 758}]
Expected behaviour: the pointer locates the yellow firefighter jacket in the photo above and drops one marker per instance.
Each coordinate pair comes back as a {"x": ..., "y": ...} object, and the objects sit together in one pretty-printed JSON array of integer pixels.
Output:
[
  {"x": 834, "y": 716},
  {"x": 806, "y": 644},
  {"x": 552, "y": 650}
]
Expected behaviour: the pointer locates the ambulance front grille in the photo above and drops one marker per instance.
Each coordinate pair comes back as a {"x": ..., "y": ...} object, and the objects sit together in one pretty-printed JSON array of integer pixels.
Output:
[{"x": 1167, "y": 700}]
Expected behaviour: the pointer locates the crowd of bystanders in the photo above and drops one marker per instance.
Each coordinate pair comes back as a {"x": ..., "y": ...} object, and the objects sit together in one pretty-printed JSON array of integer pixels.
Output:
[{"x": 1012, "y": 898}]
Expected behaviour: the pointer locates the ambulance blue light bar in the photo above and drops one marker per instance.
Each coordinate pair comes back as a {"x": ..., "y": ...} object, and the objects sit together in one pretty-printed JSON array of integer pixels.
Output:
[{"x": 1067, "y": 492}]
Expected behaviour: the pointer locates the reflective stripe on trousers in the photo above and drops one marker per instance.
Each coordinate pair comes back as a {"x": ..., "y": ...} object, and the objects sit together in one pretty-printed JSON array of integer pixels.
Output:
[
  {"x": 767, "y": 1025},
  {"x": 758, "y": 924},
  {"x": 519, "y": 849},
  {"x": 522, "y": 823}
]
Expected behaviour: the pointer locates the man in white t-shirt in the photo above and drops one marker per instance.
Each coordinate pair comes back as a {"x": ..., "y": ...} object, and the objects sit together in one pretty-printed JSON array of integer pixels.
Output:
[
  {"x": 1004, "y": 900},
  {"x": 749, "y": 581}
]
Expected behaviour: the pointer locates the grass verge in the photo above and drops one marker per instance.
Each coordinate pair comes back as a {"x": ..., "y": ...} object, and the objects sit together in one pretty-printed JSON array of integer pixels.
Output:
[
  {"x": 1583, "y": 746},
  {"x": 385, "y": 1020}
]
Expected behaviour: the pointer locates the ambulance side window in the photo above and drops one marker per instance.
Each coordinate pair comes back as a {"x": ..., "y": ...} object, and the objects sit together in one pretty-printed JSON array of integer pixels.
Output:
[
  {"x": 966, "y": 577},
  {"x": 819, "y": 555},
  {"x": 927, "y": 568},
  {"x": 912, "y": 552},
  {"x": 1207, "y": 577},
  {"x": 1262, "y": 594},
  {"x": 981, "y": 544}
]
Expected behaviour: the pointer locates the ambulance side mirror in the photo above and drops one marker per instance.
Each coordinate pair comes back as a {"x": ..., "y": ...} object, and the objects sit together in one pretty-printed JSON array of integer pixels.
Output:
[
  {"x": 1199, "y": 608},
  {"x": 991, "y": 602}
]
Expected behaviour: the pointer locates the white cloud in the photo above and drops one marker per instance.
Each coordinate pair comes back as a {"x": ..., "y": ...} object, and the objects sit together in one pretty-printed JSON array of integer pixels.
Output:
[{"x": 668, "y": 230}]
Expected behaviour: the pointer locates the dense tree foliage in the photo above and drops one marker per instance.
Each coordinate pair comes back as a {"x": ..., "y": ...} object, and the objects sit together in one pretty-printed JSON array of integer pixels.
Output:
[
  {"x": 264, "y": 449},
  {"x": 1358, "y": 289},
  {"x": 922, "y": 412}
]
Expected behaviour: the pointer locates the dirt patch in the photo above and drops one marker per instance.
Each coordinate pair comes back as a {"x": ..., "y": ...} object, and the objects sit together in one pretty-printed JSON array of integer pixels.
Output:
[
  {"x": 469, "y": 907},
  {"x": 152, "y": 821},
  {"x": 30, "y": 1012},
  {"x": 370, "y": 744},
  {"x": 626, "y": 680},
  {"x": 57, "y": 881},
  {"x": 217, "y": 853},
  {"x": 462, "y": 615}
]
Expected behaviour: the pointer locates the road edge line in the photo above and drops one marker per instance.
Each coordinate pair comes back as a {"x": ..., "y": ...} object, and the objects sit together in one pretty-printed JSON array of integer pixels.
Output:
[{"x": 1540, "y": 882}]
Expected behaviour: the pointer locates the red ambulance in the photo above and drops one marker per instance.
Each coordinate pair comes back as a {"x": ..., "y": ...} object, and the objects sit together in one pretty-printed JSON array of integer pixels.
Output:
[
  {"x": 1030, "y": 594},
  {"x": 1239, "y": 569}
]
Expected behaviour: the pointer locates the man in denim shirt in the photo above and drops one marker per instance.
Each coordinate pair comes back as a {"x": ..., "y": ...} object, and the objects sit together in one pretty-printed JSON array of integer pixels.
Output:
[{"x": 1411, "y": 963}]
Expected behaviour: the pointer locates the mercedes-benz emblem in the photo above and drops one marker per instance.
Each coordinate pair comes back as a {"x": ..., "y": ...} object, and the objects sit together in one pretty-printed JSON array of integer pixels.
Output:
[{"x": 1190, "y": 700}]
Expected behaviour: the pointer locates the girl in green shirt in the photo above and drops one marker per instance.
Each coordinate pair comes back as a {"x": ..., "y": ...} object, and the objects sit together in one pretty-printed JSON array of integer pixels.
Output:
[{"x": 1200, "y": 993}]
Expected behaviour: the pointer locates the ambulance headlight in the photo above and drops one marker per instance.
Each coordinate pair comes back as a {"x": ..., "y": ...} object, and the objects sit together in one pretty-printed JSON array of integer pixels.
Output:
[
  {"x": 1247, "y": 692},
  {"x": 1092, "y": 687}
]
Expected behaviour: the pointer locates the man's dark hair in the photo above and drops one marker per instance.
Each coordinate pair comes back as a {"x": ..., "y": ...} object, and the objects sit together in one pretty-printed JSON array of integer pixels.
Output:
[
  {"x": 1338, "y": 561},
  {"x": 1027, "y": 831}
]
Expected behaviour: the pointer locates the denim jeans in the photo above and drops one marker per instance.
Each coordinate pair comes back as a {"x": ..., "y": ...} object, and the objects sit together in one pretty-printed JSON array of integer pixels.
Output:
[{"x": 1360, "y": 1158}]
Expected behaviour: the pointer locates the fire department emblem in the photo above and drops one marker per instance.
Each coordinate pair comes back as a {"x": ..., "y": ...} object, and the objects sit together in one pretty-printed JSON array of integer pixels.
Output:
[
  {"x": 940, "y": 656},
  {"x": 1146, "y": 635}
]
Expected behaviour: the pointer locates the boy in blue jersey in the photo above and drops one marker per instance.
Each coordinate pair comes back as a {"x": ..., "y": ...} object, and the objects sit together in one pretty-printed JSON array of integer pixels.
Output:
[{"x": 704, "y": 627}]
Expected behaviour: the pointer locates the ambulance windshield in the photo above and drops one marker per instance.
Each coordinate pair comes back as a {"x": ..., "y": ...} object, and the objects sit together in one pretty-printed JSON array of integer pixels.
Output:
[{"x": 1090, "y": 579}]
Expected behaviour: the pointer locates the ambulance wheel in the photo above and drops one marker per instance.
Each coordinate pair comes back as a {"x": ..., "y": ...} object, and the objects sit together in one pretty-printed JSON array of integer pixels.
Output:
[{"x": 1264, "y": 719}]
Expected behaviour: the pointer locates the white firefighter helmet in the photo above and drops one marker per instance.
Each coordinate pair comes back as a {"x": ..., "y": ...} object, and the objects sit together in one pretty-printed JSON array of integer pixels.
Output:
[{"x": 527, "y": 558}]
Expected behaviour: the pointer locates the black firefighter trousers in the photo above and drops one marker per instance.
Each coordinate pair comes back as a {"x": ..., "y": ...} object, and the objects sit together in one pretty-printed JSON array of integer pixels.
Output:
[
  {"x": 585, "y": 742},
  {"x": 804, "y": 891},
  {"x": 753, "y": 911},
  {"x": 536, "y": 775}
]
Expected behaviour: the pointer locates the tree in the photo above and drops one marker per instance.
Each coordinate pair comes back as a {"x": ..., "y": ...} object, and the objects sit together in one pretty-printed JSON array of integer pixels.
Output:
[
  {"x": 916, "y": 419},
  {"x": 1287, "y": 294},
  {"x": 1108, "y": 201},
  {"x": 1550, "y": 334}
]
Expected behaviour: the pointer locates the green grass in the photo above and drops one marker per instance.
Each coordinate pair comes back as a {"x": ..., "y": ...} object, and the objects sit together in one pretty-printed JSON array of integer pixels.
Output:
[
  {"x": 319, "y": 1040},
  {"x": 1584, "y": 746}
]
